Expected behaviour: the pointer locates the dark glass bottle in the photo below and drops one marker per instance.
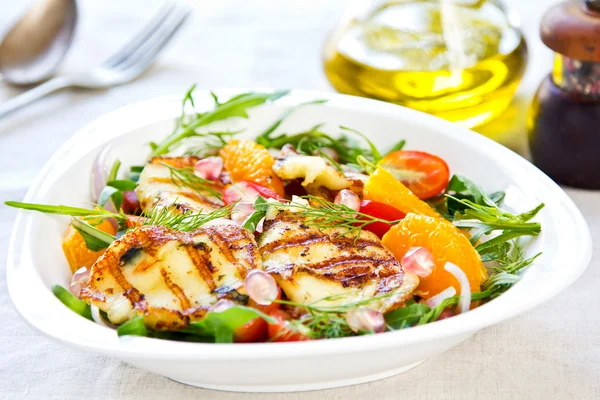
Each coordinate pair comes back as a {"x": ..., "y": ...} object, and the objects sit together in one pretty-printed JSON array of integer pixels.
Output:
[{"x": 564, "y": 117}]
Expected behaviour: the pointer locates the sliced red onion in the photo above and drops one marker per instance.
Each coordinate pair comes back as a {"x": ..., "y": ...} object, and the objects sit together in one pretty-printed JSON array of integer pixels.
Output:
[
  {"x": 240, "y": 191},
  {"x": 221, "y": 306},
  {"x": 260, "y": 225},
  {"x": 79, "y": 280},
  {"x": 464, "y": 303},
  {"x": 241, "y": 211},
  {"x": 99, "y": 171},
  {"x": 209, "y": 168},
  {"x": 97, "y": 317},
  {"x": 261, "y": 287},
  {"x": 329, "y": 152},
  {"x": 419, "y": 261},
  {"x": 348, "y": 198},
  {"x": 440, "y": 297},
  {"x": 288, "y": 150},
  {"x": 365, "y": 320}
]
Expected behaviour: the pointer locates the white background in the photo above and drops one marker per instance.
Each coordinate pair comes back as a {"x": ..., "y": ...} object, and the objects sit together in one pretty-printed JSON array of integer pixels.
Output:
[{"x": 552, "y": 352}]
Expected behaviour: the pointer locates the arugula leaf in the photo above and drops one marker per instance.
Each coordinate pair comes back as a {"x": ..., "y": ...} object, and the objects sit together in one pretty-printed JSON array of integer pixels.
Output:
[
  {"x": 134, "y": 327},
  {"x": 407, "y": 316},
  {"x": 222, "y": 325},
  {"x": 106, "y": 194},
  {"x": 398, "y": 146},
  {"x": 76, "y": 305},
  {"x": 122, "y": 184},
  {"x": 235, "y": 107},
  {"x": 95, "y": 239},
  {"x": 253, "y": 220},
  {"x": 374, "y": 152},
  {"x": 62, "y": 210},
  {"x": 264, "y": 137},
  {"x": 114, "y": 170}
]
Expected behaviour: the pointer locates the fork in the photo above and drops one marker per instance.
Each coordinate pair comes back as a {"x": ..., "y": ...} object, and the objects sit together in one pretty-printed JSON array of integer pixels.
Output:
[{"x": 122, "y": 67}]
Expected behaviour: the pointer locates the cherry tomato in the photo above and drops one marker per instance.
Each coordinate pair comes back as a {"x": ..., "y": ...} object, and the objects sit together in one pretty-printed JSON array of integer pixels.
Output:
[
  {"x": 253, "y": 331},
  {"x": 422, "y": 173},
  {"x": 257, "y": 329},
  {"x": 134, "y": 220},
  {"x": 130, "y": 204},
  {"x": 382, "y": 211},
  {"x": 283, "y": 330}
]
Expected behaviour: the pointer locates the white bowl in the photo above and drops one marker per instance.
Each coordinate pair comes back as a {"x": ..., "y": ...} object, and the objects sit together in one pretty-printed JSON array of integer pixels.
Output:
[{"x": 36, "y": 261}]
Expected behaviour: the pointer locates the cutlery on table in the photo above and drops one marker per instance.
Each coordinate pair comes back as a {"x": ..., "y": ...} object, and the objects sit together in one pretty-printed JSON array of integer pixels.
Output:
[{"x": 124, "y": 66}]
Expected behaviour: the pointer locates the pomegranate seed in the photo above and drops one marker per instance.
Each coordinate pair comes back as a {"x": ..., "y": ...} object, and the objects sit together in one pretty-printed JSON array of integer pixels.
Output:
[
  {"x": 365, "y": 320},
  {"x": 419, "y": 261},
  {"x": 261, "y": 287},
  {"x": 209, "y": 168},
  {"x": 348, "y": 198}
]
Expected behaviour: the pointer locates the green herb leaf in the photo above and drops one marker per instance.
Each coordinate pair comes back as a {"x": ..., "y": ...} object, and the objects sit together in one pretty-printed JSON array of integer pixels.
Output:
[
  {"x": 114, "y": 170},
  {"x": 186, "y": 177},
  {"x": 398, "y": 146},
  {"x": 253, "y": 220},
  {"x": 62, "y": 210},
  {"x": 134, "y": 327},
  {"x": 122, "y": 184},
  {"x": 407, "y": 316},
  {"x": 183, "y": 222},
  {"x": 374, "y": 152},
  {"x": 222, "y": 325},
  {"x": 264, "y": 138},
  {"x": 95, "y": 239},
  {"x": 234, "y": 107},
  {"x": 76, "y": 305},
  {"x": 106, "y": 194}
]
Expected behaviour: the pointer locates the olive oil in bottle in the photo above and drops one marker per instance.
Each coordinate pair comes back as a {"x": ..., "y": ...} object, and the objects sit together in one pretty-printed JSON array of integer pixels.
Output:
[{"x": 457, "y": 59}]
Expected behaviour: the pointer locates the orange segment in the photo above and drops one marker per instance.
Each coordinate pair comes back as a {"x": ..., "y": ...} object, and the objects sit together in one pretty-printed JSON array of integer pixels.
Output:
[
  {"x": 446, "y": 243},
  {"x": 75, "y": 250},
  {"x": 246, "y": 160},
  {"x": 383, "y": 187}
]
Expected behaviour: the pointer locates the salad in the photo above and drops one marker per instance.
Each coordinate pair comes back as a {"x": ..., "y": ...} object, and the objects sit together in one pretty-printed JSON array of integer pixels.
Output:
[{"x": 287, "y": 237}]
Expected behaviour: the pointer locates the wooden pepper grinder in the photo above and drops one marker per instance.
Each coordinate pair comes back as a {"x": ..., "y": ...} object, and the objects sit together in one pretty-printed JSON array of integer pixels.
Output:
[{"x": 564, "y": 117}]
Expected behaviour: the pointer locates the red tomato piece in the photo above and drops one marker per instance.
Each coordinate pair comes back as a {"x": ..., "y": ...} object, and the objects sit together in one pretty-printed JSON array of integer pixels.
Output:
[
  {"x": 381, "y": 211},
  {"x": 422, "y": 173},
  {"x": 257, "y": 329},
  {"x": 253, "y": 331},
  {"x": 283, "y": 330}
]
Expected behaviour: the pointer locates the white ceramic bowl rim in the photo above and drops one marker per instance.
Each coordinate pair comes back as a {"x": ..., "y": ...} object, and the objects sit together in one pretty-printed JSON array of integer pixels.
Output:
[{"x": 64, "y": 328}]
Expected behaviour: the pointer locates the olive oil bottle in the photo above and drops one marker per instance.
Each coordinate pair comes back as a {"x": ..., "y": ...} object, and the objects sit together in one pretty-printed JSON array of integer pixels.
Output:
[{"x": 460, "y": 60}]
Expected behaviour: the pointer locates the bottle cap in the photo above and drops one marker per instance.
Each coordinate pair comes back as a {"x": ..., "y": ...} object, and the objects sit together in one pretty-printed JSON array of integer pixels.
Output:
[{"x": 572, "y": 28}]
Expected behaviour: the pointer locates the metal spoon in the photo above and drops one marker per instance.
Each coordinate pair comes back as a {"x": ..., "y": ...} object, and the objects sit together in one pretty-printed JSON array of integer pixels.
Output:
[{"x": 37, "y": 43}]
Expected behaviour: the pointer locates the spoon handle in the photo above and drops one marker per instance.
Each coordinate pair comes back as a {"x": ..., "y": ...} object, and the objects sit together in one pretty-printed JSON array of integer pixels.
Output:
[{"x": 32, "y": 95}]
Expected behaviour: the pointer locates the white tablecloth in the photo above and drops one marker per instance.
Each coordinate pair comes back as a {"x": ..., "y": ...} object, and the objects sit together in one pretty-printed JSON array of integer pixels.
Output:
[{"x": 552, "y": 352}]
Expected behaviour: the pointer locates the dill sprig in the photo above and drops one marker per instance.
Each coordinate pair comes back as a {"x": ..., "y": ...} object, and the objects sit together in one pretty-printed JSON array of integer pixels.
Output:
[
  {"x": 211, "y": 143},
  {"x": 326, "y": 322},
  {"x": 186, "y": 177},
  {"x": 183, "y": 222},
  {"x": 323, "y": 214}
]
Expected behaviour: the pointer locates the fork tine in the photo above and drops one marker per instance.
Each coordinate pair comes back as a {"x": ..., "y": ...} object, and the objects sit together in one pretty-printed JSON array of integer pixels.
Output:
[
  {"x": 143, "y": 57},
  {"x": 142, "y": 36}
]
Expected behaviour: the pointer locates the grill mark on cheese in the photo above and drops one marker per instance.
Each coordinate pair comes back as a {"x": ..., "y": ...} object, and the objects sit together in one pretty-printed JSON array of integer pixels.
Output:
[
  {"x": 228, "y": 250},
  {"x": 201, "y": 261},
  {"x": 176, "y": 290}
]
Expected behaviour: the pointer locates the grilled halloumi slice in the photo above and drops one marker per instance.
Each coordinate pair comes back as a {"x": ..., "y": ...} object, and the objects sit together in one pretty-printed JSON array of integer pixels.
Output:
[
  {"x": 314, "y": 170},
  {"x": 167, "y": 276},
  {"x": 157, "y": 189},
  {"x": 310, "y": 264}
]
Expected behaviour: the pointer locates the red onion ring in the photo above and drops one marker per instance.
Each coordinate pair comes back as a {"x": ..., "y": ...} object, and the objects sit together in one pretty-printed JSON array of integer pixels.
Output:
[{"x": 464, "y": 304}]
